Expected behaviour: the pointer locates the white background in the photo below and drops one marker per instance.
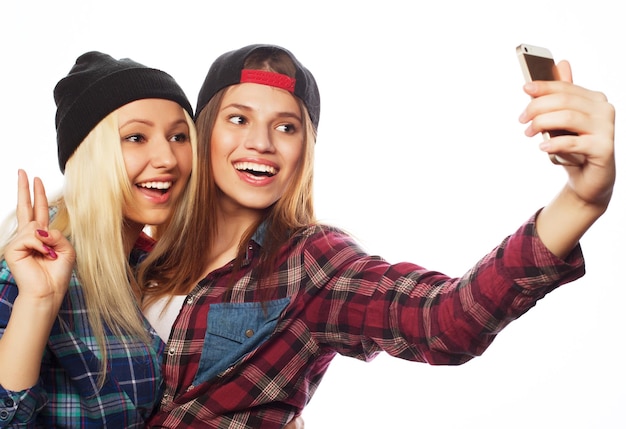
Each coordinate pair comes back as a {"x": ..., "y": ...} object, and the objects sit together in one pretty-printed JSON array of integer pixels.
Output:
[{"x": 420, "y": 155}]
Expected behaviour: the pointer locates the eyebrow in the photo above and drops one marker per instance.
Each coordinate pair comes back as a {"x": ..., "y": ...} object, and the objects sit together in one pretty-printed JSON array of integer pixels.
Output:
[
  {"x": 286, "y": 114},
  {"x": 149, "y": 122}
]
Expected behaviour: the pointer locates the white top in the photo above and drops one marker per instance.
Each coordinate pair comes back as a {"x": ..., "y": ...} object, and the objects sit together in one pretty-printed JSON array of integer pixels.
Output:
[{"x": 162, "y": 317}]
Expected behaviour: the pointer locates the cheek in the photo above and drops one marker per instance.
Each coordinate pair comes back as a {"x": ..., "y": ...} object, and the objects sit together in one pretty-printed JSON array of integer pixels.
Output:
[
  {"x": 220, "y": 148},
  {"x": 133, "y": 162},
  {"x": 184, "y": 158},
  {"x": 292, "y": 156}
]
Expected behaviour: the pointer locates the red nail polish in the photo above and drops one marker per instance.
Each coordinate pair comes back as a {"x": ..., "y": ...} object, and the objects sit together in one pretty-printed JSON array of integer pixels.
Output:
[
  {"x": 51, "y": 252},
  {"x": 42, "y": 232}
]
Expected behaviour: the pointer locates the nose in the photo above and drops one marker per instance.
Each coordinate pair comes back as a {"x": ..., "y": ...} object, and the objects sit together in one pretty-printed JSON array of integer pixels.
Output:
[
  {"x": 259, "y": 138},
  {"x": 161, "y": 154}
]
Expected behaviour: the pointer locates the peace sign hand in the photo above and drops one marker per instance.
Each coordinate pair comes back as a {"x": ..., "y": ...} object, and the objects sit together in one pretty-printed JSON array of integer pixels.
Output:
[{"x": 40, "y": 260}]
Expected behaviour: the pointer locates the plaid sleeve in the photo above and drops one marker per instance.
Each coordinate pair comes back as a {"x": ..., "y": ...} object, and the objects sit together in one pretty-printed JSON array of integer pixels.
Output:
[
  {"x": 368, "y": 305},
  {"x": 20, "y": 409},
  {"x": 17, "y": 409}
]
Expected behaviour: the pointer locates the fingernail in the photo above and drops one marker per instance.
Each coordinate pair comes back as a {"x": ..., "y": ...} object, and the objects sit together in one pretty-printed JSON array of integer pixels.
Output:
[
  {"x": 530, "y": 86},
  {"x": 523, "y": 117},
  {"x": 42, "y": 232},
  {"x": 51, "y": 252},
  {"x": 545, "y": 145}
]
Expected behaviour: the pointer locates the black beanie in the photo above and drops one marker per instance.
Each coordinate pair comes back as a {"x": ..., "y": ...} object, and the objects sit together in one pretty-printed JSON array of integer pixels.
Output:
[
  {"x": 226, "y": 71},
  {"x": 96, "y": 86}
]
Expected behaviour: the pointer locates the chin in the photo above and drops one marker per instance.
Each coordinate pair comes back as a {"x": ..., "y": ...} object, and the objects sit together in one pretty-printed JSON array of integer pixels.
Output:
[
  {"x": 155, "y": 220},
  {"x": 258, "y": 205}
]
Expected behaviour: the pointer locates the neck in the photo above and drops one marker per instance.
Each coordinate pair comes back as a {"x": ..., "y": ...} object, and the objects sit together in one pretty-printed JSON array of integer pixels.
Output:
[
  {"x": 130, "y": 233},
  {"x": 231, "y": 228}
]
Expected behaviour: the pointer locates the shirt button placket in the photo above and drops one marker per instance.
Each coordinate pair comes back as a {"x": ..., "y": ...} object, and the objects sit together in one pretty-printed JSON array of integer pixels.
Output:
[{"x": 5, "y": 414}]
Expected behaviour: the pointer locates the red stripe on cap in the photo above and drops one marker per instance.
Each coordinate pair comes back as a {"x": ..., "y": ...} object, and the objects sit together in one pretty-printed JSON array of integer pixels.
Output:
[{"x": 269, "y": 78}]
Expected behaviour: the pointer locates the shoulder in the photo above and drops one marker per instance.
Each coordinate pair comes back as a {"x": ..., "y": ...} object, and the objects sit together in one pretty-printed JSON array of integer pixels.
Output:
[
  {"x": 325, "y": 241},
  {"x": 322, "y": 232}
]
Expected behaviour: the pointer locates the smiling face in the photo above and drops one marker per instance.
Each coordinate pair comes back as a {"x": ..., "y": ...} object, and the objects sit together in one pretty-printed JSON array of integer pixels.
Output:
[
  {"x": 256, "y": 145},
  {"x": 157, "y": 154}
]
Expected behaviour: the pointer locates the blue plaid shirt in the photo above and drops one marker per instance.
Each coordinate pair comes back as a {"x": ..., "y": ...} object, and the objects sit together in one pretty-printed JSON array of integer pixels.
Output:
[{"x": 67, "y": 395}]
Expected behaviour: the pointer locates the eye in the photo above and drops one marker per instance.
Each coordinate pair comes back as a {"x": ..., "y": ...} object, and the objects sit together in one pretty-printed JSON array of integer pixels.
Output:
[
  {"x": 237, "y": 119},
  {"x": 286, "y": 128},
  {"x": 135, "y": 138},
  {"x": 180, "y": 137}
]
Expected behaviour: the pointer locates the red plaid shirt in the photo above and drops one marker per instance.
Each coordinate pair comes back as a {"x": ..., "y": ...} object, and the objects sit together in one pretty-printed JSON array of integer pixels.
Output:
[{"x": 234, "y": 362}]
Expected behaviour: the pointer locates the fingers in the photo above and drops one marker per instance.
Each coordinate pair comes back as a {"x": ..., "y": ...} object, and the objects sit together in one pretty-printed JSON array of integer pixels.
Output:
[
  {"x": 44, "y": 236},
  {"x": 547, "y": 118},
  {"x": 538, "y": 89},
  {"x": 586, "y": 115},
  {"x": 55, "y": 245},
  {"x": 27, "y": 211},
  {"x": 580, "y": 114},
  {"x": 562, "y": 105},
  {"x": 30, "y": 242},
  {"x": 565, "y": 71},
  {"x": 46, "y": 243},
  {"x": 24, "y": 209},
  {"x": 41, "y": 203}
]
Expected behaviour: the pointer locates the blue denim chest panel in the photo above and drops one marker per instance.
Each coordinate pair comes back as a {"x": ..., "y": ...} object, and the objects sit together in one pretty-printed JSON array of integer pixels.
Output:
[{"x": 234, "y": 330}]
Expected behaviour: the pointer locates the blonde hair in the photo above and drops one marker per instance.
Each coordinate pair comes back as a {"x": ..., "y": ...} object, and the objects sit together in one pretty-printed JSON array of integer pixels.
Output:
[
  {"x": 96, "y": 191},
  {"x": 174, "y": 270}
]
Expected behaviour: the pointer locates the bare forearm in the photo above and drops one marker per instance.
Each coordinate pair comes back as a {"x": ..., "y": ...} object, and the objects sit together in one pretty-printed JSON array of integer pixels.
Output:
[{"x": 563, "y": 222}]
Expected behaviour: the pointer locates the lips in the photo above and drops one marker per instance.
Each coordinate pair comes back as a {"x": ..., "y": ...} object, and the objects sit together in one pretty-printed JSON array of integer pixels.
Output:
[
  {"x": 255, "y": 169},
  {"x": 156, "y": 185},
  {"x": 156, "y": 191}
]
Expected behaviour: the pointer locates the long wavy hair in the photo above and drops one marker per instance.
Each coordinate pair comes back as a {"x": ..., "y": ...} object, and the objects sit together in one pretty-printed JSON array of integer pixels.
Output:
[
  {"x": 96, "y": 191},
  {"x": 174, "y": 270}
]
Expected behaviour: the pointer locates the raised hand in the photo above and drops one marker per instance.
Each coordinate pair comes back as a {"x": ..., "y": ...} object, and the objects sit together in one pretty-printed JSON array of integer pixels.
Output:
[
  {"x": 586, "y": 196},
  {"x": 40, "y": 260},
  {"x": 562, "y": 105},
  {"x": 41, "y": 263}
]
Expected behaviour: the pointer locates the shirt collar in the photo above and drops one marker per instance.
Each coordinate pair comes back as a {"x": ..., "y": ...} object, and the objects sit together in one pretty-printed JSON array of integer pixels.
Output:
[
  {"x": 257, "y": 240},
  {"x": 259, "y": 235}
]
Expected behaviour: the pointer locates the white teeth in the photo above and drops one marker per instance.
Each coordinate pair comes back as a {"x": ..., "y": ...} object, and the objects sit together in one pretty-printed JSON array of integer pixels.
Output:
[
  {"x": 261, "y": 168},
  {"x": 155, "y": 185}
]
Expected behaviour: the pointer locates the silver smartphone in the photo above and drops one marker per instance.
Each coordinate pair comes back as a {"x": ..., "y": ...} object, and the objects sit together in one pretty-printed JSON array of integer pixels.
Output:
[{"x": 538, "y": 64}]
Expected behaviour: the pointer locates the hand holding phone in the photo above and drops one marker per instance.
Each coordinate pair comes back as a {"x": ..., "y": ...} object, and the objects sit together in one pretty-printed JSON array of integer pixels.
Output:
[{"x": 538, "y": 64}]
